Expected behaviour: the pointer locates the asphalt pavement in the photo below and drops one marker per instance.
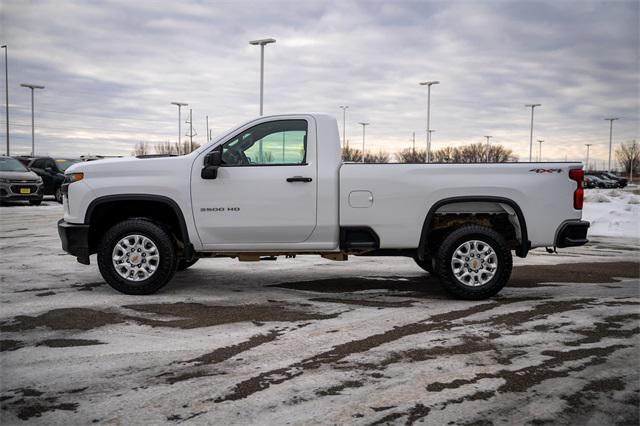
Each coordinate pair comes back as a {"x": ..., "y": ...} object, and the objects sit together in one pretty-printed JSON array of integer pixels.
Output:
[{"x": 311, "y": 341}]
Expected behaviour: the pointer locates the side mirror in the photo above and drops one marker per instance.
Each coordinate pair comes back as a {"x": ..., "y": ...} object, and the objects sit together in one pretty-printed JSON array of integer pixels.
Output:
[
  {"x": 48, "y": 169},
  {"x": 212, "y": 162}
]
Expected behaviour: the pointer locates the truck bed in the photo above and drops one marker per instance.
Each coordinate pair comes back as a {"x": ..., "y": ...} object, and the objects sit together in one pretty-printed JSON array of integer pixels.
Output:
[{"x": 394, "y": 199}]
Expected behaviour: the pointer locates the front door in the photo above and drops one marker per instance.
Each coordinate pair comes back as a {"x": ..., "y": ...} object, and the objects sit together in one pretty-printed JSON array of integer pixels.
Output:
[{"x": 265, "y": 190}]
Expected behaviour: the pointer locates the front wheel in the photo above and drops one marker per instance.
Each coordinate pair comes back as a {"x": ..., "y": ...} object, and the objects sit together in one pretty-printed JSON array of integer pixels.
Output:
[
  {"x": 474, "y": 262},
  {"x": 58, "y": 194},
  {"x": 137, "y": 256}
]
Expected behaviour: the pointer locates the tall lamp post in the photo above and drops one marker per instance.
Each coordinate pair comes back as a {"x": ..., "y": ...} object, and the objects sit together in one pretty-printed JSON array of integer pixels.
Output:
[
  {"x": 611, "y": 120},
  {"x": 488, "y": 137},
  {"x": 262, "y": 43},
  {"x": 532, "y": 106},
  {"x": 430, "y": 137},
  {"x": 588, "y": 145},
  {"x": 363, "y": 126},
  {"x": 6, "y": 91},
  {"x": 540, "y": 149},
  {"x": 179, "y": 105},
  {"x": 33, "y": 133},
  {"x": 344, "y": 123},
  {"x": 428, "y": 84}
]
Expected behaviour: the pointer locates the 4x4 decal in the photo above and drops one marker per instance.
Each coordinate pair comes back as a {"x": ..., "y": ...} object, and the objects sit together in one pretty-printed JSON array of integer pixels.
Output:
[{"x": 546, "y": 170}]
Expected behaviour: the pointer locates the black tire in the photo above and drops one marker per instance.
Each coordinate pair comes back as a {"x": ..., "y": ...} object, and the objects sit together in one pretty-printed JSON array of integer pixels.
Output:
[
  {"x": 58, "y": 194},
  {"x": 426, "y": 264},
  {"x": 497, "y": 245},
  {"x": 185, "y": 264},
  {"x": 35, "y": 202},
  {"x": 166, "y": 266}
]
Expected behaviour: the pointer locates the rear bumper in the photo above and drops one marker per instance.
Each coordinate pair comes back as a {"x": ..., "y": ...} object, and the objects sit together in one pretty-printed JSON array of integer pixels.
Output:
[
  {"x": 572, "y": 233},
  {"x": 75, "y": 240}
]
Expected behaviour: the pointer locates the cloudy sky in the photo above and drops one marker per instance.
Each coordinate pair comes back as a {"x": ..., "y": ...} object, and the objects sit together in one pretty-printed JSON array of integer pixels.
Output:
[{"x": 112, "y": 68}]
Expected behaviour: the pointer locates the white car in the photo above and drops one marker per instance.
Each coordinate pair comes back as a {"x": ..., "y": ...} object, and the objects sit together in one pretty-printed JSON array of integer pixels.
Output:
[{"x": 277, "y": 186}]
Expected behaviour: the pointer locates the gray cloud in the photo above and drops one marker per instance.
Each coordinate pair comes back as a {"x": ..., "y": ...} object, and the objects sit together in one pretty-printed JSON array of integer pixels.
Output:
[{"x": 112, "y": 69}]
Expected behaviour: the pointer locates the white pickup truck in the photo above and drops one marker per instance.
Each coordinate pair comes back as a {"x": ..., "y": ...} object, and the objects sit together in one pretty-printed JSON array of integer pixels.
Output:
[{"x": 276, "y": 186}]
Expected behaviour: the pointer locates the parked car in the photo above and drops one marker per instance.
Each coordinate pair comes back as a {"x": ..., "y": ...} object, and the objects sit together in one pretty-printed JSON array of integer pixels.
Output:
[
  {"x": 276, "y": 186},
  {"x": 17, "y": 183},
  {"x": 620, "y": 181},
  {"x": 589, "y": 182},
  {"x": 601, "y": 182},
  {"x": 52, "y": 173},
  {"x": 64, "y": 163},
  {"x": 24, "y": 159}
]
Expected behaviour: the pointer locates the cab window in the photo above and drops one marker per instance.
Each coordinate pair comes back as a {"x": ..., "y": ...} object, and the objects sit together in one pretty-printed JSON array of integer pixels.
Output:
[{"x": 282, "y": 142}]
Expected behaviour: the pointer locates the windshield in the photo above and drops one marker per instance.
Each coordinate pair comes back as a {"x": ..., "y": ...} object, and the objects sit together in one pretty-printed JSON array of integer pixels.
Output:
[
  {"x": 8, "y": 164},
  {"x": 64, "y": 163}
]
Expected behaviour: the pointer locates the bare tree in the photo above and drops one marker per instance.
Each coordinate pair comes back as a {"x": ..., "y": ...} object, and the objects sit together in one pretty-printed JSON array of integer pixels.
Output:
[
  {"x": 628, "y": 155},
  {"x": 141, "y": 148},
  {"x": 445, "y": 155},
  {"x": 174, "y": 148},
  {"x": 186, "y": 148},
  {"x": 164, "y": 148},
  {"x": 379, "y": 157},
  {"x": 410, "y": 155},
  {"x": 500, "y": 154},
  {"x": 351, "y": 154},
  {"x": 474, "y": 153}
]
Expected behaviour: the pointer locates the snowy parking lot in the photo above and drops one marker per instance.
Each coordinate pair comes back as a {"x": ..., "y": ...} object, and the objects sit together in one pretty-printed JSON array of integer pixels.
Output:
[{"x": 308, "y": 340}]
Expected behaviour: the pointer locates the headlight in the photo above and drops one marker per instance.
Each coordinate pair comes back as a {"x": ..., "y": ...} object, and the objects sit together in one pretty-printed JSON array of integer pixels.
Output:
[
  {"x": 73, "y": 177},
  {"x": 39, "y": 180}
]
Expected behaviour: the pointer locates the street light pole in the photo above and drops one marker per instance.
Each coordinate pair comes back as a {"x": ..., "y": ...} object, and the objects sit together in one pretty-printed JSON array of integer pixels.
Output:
[
  {"x": 488, "y": 137},
  {"x": 33, "y": 133},
  {"x": 262, "y": 43},
  {"x": 588, "y": 145},
  {"x": 428, "y": 84},
  {"x": 180, "y": 105},
  {"x": 363, "y": 126},
  {"x": 532, "y": 106},
  {"x": 344, "y": 123},
  {"x": 611, "y": 120},
  {"x": 540, "y": 150},
  {"x": 6, "y": 91},
  {"x": 430, "y": 132}
]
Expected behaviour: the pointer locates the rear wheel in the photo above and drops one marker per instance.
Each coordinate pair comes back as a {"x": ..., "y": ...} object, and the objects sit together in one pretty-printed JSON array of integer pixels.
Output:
[
  {"x": 185, "y": 264},
  {"x": 474, "y": 262},
  {"x": 137, "y": 256}
]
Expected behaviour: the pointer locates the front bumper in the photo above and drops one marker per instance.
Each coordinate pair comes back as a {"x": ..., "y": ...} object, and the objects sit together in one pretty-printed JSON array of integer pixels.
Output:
[
  {"x": 572, "y": 233},
  {"x": 11, "y": 191},
  {"x": 75, "y": 240}
]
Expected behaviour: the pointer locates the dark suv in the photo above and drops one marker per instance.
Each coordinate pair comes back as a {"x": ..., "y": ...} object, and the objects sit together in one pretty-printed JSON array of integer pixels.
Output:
[{"x": 52, "y": 173}]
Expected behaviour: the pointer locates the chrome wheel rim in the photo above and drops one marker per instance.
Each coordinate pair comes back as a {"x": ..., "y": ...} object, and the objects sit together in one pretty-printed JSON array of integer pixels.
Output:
[
  {"x": 135, "y": 257},
  {"x": 474, "y": 263}
]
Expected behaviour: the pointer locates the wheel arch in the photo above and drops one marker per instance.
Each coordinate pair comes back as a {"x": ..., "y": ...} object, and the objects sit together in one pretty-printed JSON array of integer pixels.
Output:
[
  {"x": 110, "y": 209},
  {"x": 524, "y": 243}
]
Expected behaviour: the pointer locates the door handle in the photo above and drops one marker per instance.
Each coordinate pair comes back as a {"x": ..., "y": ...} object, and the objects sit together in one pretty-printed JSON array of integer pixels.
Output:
[{"x": 299, "y": 179}]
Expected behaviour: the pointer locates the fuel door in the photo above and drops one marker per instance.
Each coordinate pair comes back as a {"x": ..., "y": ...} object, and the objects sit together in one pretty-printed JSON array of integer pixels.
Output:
[{"x": 360, "y": 199}]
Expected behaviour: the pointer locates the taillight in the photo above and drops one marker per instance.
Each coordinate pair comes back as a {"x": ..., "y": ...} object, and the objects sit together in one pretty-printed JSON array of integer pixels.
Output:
[{"x": 578, "y": 194}]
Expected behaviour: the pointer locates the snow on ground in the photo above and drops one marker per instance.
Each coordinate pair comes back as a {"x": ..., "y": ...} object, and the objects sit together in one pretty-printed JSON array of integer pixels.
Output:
[
  {"x": 612, "y": 213},
  {"x": 311, "y": 341}
]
